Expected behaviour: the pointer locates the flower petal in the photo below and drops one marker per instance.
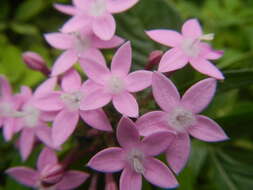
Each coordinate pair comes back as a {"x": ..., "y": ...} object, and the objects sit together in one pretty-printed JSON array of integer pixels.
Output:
[
  {"x": 47, "y": 157},
  {"x": 71, "y": 81},
  {"x": 152, "y": 122},
  {"x": 112, "y": 43},
  {"x": 44, "y": 133},
  {"x": 76, "y": 23},
  {"x": 104, "y": 26},
  {"x": 24, "y": 175},
  {"x": 157, "y": 173},
  {"x": 192, "y": 29},
  {"x": 126, "y": 104},
  {"x": 71, "y": 180},
  {"x": 130, "y": 180},
  {"x": 127, "y": 134},
  {"x": 67, "y": 9},
  {"x": 59, "y": 40},
  {"x": 108, "y": 160},
  {"x": 93, "y": 54},
  {"x": 207, "y": 130},
  {"x": 166, "y": 37},
  {"x": 5, "y": 88},
  {"x": 49, "y": 101},
  {"x": 26, "y": 143},
  {"x": 97, "y": 119},
  {"x": 82, "y": 4},
  {"x": 157, "y": 143},
  {"x": 63, "y": 126},
  {"x": 121, "y": 61},
  {"x": 178, "y": 152},
  {"x": 119, "y": 6},
  {"x": 208, "y": 53},
  {"x": 207, "y": 68},
  {"x": 172, "y": 60},
  {"x": 46, "y": 87},
  {"x": 164, "y": 92},
  {"x": 9, "y": 129},
  {"x": 138, "y": 80}
]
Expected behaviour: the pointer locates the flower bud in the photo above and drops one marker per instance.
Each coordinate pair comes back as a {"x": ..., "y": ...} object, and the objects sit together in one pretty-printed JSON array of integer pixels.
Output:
[
  {"x": 110, "y": 183},
  {"x": 52, "y": 174},
  {"x": 153, "y": 59}
]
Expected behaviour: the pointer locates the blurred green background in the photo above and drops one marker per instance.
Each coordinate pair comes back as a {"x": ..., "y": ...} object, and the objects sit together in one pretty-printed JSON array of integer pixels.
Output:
[{"x": 213, "y": 166}]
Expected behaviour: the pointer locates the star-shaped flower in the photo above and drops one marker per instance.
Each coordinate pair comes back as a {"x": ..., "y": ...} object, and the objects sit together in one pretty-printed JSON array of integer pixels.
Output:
[
  {"x": 181, "y": 115},
  {"x": 116, "y": 85},
  {"x": 136, "y": 158},
  {"x": 187, "y": 47}
]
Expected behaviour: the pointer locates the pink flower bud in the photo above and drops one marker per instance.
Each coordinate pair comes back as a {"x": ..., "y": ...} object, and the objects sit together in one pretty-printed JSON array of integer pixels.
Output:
[
  {"x": 52, "y": 174},
  {"x": 153, "y": 59},
  {"x": 110, "y": 183}
]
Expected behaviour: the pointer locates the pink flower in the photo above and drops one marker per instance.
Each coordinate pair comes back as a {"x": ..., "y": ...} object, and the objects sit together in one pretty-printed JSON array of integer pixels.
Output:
[
  {"x": 67, "y": 104},
  {"x": 49, "y": 175},
  {"x": 95, "y": 14},
  {"x": 136, "y": 158},
  {"x": 116, "y": 85},
  {"x": 181, "y": 116},
  {"x": 83, "y": 44},
  {"x": 187, "y": 47}
]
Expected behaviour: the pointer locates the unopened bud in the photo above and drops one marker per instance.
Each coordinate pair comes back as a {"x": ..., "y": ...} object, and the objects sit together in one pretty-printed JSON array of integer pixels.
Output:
[
  {"x": 153, "y": 59},
  {"x": 52, "y": 174},
  {"x": 110, "y": 183}
]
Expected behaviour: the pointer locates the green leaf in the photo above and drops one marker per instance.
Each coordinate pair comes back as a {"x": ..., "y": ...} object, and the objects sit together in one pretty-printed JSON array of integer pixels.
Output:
[{"x": 26, "y": 29}]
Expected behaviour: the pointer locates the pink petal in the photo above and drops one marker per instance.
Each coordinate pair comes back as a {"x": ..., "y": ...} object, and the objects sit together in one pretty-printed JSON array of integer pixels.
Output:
[
  {"x": 82, "y": 4},
  {"x": 5, "y": 88},
  {"x": 76, "y": 23},
  {"x": 47, "y": 157},
  {"x": 49, "y": 102},
  {"x": 172, "y": 60},
  {"x": 152, "y": 122},
  {"x": 138, "y": 80},
  {"x": 112, "y": 43},
  {"x": 63, "y": 126},
  {"x": 104, "y": 26},
  {"x": 44, "y": 133},
  {"x": 64, "y": 62},
  {"x": 9, "y": 129},
  {"x": 24, "y": 175},
  {"x": 26, "y": 143},
  {"x": 94, "y": 55},
  {"x": 199, "y": 95},
  {"x": 89, "y": 86},
  {"x": 121, "y": 61},
  {"x": 67, "y": 9},
  {"x": 207, "y": 68},
  {"x": 95, "y": 99},
  {"x": 164, "y": 92},
  {"x": 95, "y": 71},
  {"x": 119, "y": 6},
  {"x": 207, "y": 130},
  {"x": 166, "y": 37},
  {"x": 127, "y": 134},
  {"x": 126, "y": 104},
  {"x": 130, "y": 180},
  {"x": 71, "y": 81},
  {"x": 157, "y": 143},
  {"x": 71, "y": 180},
  {"x": 208, "y": 53},
  {"x": 157, "y": 173},
  {"x": 97, "y": 119},
  {"x": 178, "y": 152},
  {"x": 46, "y": 86},
  {"x": 108, "y": 160},
  {"x": 192, "y": 29},
  {"x": 59, "y": 40}
]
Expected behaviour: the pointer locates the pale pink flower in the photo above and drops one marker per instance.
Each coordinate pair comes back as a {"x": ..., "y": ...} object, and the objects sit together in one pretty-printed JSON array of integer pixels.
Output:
[
  {"x": 50, "y": 175},
  {"x": 67, "y": 104},
  {"x": 116, "y": 85},
  {"x": 136, "y": 158},
  {"x": 181, "y": 115},
  {"x": 80, "y": 44},
  {"x": 94, "y": 14},
  {"x": 187, "y": 47}
]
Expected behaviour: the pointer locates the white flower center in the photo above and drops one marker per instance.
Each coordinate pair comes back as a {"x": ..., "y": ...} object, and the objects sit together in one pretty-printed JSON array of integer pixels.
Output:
[
  {"x": 136, "y": 158},
  {"x": 115, "y": 84},
  {"x": 30, "y": 116},
  {"x": 191, "y": 46},
  {"x": 97, "y": 8},
  {"x": 180, "y": 119},
  {"x": 81, "y": 43},
  {"x": 72, "y": 100}
]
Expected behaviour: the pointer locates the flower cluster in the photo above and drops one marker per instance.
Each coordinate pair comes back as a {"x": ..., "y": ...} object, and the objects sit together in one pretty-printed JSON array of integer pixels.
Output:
[{"x": 52, "y": 113}]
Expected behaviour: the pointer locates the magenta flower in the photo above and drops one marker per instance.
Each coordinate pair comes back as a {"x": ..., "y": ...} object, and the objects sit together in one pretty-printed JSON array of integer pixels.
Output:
[
  {"x": 67, "y": 104},
  {"x": 116, "y": 85},
  {"x": 181, "y": 116},
  {"x": 49, "y": 175},
  {"x": 94, "y": 14},
  {"x": 136, "y": 158},
  {"x": 83, "y": 44},
  {"x": 187, "y": 47}
]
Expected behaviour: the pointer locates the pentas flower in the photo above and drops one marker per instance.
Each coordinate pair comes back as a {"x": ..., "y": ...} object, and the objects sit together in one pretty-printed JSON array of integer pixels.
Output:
[
  {"x": 80, "y": 44},
  {"x": 50, "y": 175},
  {"x": 116, "y": 85},
  {"x": 187, "y": 47},
  {"x": 136, "y": 158},
  {"x": 94, "y": 14},
  {"x": 181, "y": 115},
  {"x": 67, "y": 104}
]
